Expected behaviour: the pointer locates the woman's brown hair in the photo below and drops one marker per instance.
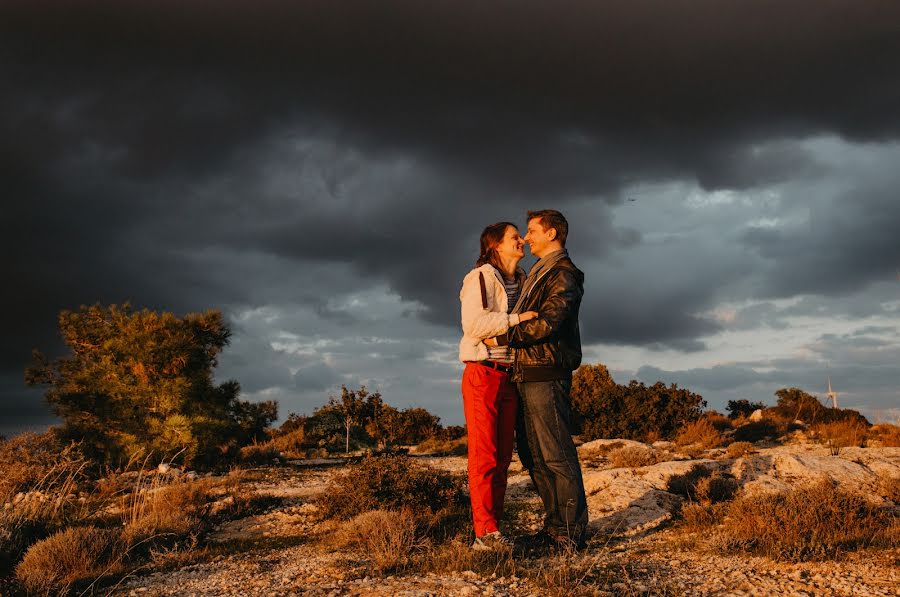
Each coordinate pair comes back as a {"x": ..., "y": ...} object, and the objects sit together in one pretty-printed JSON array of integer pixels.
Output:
[{"x": 491, "y": 237}]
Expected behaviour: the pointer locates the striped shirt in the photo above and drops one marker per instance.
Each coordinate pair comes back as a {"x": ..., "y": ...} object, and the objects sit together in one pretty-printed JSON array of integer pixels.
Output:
[{"x": 504, "y": 354}]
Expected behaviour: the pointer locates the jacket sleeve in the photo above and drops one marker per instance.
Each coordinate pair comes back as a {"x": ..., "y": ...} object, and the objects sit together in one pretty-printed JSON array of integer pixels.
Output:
[
  {"x": 564, "y": 297},
  {"x": 477, "y": 321}
]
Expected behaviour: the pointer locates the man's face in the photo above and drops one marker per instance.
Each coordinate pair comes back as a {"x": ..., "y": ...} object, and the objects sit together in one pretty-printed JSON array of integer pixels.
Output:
[{"x": 538, "y": 239}]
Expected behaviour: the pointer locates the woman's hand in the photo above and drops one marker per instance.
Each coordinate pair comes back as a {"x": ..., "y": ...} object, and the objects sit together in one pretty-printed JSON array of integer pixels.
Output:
[{"x": 527, "y": 315}]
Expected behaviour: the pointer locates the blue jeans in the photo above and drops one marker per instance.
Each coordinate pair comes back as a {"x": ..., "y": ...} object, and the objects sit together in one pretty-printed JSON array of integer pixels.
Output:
[{"x": 547, "y": 417}]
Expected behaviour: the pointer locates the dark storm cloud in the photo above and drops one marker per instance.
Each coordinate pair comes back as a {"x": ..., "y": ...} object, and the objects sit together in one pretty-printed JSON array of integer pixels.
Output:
[{"x": 187, "y": 156}]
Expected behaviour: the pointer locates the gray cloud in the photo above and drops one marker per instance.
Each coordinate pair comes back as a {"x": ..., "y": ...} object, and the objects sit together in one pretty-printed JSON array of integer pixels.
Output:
[{"x": 300, "y": 158}]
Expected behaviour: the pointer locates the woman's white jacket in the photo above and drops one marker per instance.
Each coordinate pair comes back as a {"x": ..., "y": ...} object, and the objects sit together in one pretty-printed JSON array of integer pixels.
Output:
[{"x": 479, "y": 322}]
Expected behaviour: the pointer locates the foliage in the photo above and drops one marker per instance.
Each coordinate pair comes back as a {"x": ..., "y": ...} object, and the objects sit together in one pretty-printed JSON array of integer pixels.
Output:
[
  {"x": 700, "y": 433},
  {"x": 703, "y": 486},
  {"x": 743, "y": 408},
  {"x": 388, "y": 538},
  {"x": 756, "y": 431},
  {"x": 795, "y": 404},
  {"x": 819, "y": 521},
  {"x": 739, "y": 449},
  {"x": 39, "y": 490},
  {"x": 841, "y": 434},
  {"x": 357, "y": 418},
  {"x": 141, "y": 383},
  {"x": 634, "y": 457},
  {"x": 633, "y": 411},
  {"x": 886, "y": 435},
  {"x": 389, "y": 483},
  {"x": 71, "y": 557}
]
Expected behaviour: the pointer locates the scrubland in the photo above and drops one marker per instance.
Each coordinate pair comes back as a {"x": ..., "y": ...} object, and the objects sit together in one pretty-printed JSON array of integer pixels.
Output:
[{"x": 730, "y": 506}]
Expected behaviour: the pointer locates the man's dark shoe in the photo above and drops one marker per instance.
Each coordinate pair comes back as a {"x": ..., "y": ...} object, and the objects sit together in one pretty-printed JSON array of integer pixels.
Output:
[{"x": 535, "y": 543}]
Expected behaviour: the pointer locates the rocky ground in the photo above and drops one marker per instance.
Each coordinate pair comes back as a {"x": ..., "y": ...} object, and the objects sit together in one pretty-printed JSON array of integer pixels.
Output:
[{"x": 635, "y": 550}]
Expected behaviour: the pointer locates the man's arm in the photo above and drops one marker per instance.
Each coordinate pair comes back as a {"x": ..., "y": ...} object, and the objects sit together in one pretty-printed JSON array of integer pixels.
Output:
[{"x": 564, "y": 297}]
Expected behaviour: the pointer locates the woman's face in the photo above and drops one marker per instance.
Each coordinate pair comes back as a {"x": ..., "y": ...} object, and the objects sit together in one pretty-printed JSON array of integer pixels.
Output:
[{"x": 512, "y": 246}]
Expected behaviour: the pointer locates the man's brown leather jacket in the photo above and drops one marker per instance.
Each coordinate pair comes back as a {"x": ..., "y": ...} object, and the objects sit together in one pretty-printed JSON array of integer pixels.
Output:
[{"x": 549, "y": 346}]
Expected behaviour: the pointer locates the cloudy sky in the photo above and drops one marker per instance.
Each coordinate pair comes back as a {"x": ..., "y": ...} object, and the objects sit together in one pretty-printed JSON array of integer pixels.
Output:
[{"x": 320, "y": 171}]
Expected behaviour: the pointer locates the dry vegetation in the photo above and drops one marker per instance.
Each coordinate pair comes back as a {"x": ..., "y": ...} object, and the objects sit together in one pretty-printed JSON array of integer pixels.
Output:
[
  {"x": 63, "y": 529},
  {"x": 635, "y": 457},
  {"x": 819, "y": 521}
]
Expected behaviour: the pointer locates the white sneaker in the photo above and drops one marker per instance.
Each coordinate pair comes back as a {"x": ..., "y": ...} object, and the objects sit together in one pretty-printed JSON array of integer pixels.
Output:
[{"x": 492, "y": 541}]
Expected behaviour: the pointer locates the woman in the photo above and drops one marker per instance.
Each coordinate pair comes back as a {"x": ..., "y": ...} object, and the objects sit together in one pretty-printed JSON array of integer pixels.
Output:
[{"x": 490, "y": 399}]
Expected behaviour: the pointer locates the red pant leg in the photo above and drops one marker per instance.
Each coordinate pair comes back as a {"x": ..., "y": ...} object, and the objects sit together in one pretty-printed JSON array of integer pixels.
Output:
[
  {"x": 507, "y": 404},
  {"x": 480, "y": 389}
]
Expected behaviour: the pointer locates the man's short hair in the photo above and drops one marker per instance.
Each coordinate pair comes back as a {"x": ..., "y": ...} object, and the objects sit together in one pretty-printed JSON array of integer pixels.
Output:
[{"x": 550, "y": 218}]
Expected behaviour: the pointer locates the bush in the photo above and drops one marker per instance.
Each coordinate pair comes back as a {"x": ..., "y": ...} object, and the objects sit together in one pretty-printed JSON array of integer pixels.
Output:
[
  {"x": 259, "y": 453},
  {"x": 739, "y": 449},
  {"x": 39, "y": 490},
  {"x": 71, "y": 557},
  {"x": 703, "y": 486},
  {"x": 756, "y": 431},
  {"x": 451, "y": 447},
  {"x": 886, "y": 435},
  {"x": 389, "y": 483},
  {"x": 634, "y": 411},
  {"x": 700, "y": 433},
  {"x": 387, "y": 538},
  {"x": 841, "y": 434},
  {"x": 738, "y": 409},
  {"x": 889, "y": 488},
  {"x": 819, "y": 521},
  {"x": 164, "y": 513},
  {"x": 633, "y": 457}
]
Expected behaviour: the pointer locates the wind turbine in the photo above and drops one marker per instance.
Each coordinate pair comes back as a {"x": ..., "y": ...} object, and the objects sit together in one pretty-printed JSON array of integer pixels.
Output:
[{"x": 832, "y": 394}]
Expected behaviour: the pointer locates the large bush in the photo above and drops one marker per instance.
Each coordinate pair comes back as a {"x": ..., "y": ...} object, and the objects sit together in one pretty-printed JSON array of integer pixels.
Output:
[
  {"x": 141, "y": 383},
  {"x": 389, "y": 483},
  {"x": 634, "y": 411}
]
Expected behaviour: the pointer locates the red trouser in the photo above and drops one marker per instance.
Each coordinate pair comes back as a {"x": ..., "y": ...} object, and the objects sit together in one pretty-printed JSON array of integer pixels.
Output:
[{"x": 490, "y": 401}]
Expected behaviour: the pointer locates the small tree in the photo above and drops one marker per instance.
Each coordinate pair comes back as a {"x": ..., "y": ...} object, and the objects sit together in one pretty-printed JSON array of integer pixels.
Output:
[
  {"x": 743, "y": 408},
  {"x": 350, "y": 409},
  {"x": 140, "y": 383}
]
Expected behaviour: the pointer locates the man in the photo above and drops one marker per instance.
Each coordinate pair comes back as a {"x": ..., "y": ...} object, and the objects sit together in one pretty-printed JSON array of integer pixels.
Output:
[{"x": 547, "y": 350}]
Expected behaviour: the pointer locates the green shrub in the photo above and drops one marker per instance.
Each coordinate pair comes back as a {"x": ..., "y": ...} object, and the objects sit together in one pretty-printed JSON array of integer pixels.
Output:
[
  {"x": 389, "y": 483},
  {"x": 140, "y": 384},
  {"x": 635, "y": 411}
]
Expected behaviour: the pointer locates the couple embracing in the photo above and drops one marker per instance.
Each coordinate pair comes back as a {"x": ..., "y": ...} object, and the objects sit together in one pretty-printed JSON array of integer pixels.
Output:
[{"x": 520, "y": 345}]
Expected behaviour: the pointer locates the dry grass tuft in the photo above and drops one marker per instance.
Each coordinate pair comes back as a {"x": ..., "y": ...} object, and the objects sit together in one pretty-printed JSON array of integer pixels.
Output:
[
  {"x": 458, "y": 556},
  {"x": 389, "y": 539},
  {"x": 259, "y": 453},
  {"x": 841, "y": 434},
  {"x": 816, "y": 522},
  {"x": 701, "y": 434},
  {"x": 885, "y": 434},
  {"x": 451, "y": 447},
  {"x": 392, "y": 482},
  {"x": 739, "y": 449},
  {"x": 889, "y": 488},
  {"x": 42, "y": 490},
  {"x": 72, "y": 557},
  {"x": 702, "y": 486},
  {"x": 634, "y": 457}
]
